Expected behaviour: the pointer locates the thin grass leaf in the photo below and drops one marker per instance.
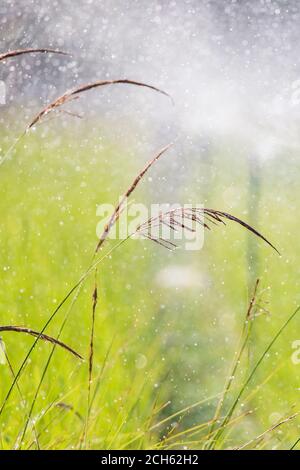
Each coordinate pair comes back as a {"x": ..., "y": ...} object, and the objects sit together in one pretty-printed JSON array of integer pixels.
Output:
[
  {"x": 50, "y": 319},
  {"x": 74, "y": 93},
  {"x": 29, "y": 331},
  {"x": 242, "y": 345},
  {"x": 272, "y": 428},
  {"x": 91, "y": 356},
  {"x": 47, "y": 365},
  {"x": 236, "y": 401},
  {"x": 18, "y": 52}
]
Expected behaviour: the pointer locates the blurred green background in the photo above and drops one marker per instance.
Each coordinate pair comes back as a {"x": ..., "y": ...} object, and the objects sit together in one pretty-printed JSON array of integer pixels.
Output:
[{"x": 167, "y": 324}]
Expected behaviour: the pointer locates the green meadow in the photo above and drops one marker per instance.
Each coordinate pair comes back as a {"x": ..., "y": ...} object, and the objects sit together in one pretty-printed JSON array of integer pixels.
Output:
[{"x": 168, "y": 325}]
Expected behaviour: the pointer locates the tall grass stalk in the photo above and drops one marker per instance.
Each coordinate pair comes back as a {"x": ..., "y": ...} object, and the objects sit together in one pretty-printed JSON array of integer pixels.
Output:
[
  {"x": 251, "y": 375},
  {"x": 52, "y": 316},
  {"x": 46, "y": 367},
  {"x": 91, "y": 356},
  {"x": 243, "y": 341}
]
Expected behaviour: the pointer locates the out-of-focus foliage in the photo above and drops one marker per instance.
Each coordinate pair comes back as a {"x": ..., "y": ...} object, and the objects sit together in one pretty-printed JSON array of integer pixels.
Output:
[{"x": 170, "y": 321}]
